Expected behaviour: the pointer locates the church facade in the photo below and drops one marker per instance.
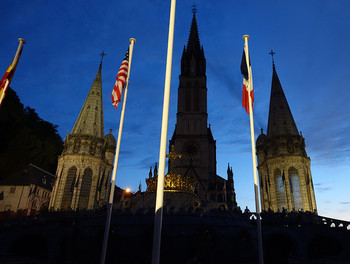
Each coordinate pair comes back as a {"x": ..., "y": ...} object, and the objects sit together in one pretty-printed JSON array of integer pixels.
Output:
[{"x": 84, "y": 169}]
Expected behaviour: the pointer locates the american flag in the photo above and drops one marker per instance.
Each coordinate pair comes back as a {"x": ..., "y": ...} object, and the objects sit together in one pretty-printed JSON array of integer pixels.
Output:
[{"x": 120, "y": 82}]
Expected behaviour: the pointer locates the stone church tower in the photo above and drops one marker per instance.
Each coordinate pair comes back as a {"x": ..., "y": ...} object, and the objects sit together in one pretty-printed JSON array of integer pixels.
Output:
[
  {"x": 283, "y": 165},
  {"x": 85, "y": 165},
  {"x": 192, "y": 137}
]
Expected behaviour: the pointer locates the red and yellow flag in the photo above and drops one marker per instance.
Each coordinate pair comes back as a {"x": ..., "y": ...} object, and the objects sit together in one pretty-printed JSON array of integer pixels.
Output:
[{"x": 6, "y": 79}]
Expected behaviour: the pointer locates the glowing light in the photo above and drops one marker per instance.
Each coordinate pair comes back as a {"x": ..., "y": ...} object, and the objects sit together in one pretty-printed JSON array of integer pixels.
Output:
[{"x": 127, "y": 190}]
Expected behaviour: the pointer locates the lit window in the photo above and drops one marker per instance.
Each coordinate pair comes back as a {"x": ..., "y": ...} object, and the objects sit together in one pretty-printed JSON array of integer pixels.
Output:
[
  {"x": 279, "y": 184},
  {"x": 295, "y": 189}
]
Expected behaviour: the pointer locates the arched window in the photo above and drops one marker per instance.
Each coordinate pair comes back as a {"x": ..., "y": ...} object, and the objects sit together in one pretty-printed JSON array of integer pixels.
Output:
[
  {"x": 85, "y": 189},
  {"x": 279, "y": 185},
  {"x": 68, "y": 189},
  {"x": 294, "y": 183}
]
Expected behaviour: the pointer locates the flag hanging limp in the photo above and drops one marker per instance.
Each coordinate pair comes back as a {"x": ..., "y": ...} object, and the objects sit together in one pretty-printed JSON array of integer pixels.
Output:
[
  {"x": 120, "y": 82},
  {"x": 247, "y": 81},
  {"x": 6, "y": 79}
]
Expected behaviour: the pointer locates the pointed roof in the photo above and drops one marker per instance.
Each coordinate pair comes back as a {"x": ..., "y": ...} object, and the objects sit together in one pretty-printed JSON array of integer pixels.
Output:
[
  {"x": 193, "y": 60},
  {"x": 281, "y": 121},
  {"x": 90, "y": 119},
  {"x": 193, "y": 44}
]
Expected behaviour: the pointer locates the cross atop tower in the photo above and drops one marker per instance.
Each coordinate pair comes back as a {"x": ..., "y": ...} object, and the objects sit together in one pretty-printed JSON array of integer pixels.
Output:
[
  {"x": 194, "y": 9},
  {"x": 272, "y": 53},
  {"x": 102, "y": 55}
]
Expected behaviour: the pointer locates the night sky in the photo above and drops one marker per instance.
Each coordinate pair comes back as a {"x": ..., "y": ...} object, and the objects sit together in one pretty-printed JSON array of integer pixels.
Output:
[{"x": 311, "y": 40}]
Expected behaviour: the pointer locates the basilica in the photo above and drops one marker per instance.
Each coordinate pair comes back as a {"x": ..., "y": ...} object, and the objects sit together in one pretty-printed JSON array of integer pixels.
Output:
[{"x": 202, "y": 222}]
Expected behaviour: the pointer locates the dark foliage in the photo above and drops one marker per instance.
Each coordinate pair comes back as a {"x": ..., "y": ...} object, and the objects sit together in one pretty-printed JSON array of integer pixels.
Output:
[{"x": 26, "y": 138}]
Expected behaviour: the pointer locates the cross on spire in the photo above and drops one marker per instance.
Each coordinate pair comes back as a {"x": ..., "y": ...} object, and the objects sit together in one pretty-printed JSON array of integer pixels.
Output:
[
  {"x": 272, "y": 53},
  {"x": 194, "y": 9},
  {"x": 102, "y": 55}
]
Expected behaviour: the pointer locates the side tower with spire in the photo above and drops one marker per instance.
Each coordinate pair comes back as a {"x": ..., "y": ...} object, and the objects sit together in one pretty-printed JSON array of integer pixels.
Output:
[
  {"x": 85, "y": 165},
  {"x": 192, "y": 136},
  {"x": 283, "y": 165}
]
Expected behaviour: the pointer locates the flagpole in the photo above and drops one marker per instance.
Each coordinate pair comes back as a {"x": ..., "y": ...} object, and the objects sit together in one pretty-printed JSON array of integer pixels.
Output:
[
  {"x": 163, "y": 141},
  {"x": 13, "y": 66},
  {"x": 116, "y": 158},
  {"x": 252, "y": 136}
]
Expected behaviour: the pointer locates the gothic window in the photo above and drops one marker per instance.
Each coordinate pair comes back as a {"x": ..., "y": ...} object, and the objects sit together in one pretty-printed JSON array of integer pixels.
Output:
[
  {"x": 85, "y": 189},
  {"x": 279, "y": 185},
  {"x": 68, "y": 188},
  {"x": 295, "y": 191}
]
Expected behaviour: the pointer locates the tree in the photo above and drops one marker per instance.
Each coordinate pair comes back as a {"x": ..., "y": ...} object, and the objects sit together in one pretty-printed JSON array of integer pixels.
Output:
[{"x": 26, "y": 138}]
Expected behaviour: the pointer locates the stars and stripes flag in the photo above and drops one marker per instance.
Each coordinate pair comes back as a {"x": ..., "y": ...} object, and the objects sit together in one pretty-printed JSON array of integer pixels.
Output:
[
  {"x": 6, "y": 79},
  {"x": 247, "y": 81},
  {"x": 120, "y": 82}
]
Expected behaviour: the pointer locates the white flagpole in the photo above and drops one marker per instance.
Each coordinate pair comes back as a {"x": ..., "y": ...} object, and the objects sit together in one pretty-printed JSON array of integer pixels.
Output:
[
  {"x": 13, "y": 67},
  {"x": 116, "y": 158},
  {"x": 257, "y": 207},
  {"x": 163, "y": 142}
]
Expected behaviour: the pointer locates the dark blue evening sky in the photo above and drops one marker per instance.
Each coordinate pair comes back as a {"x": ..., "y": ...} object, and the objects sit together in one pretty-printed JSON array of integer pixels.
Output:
[{"x": 311, "y": 40}]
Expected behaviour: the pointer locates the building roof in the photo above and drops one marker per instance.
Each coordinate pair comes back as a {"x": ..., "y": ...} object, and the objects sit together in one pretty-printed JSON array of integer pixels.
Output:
[
  {"x": 90, "y": 119},
  {"x": 281, "y": 121},
  {"x": 30, "y": 174},
  {"x": 193, "y": 61}
]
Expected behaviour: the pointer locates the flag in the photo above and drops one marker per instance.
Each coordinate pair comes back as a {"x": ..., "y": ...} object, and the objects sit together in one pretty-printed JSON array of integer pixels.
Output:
[
  {"x": 247, "y": 82},
  {"x": 120, "y": 82},
  {"x": 6, "y": 79}
]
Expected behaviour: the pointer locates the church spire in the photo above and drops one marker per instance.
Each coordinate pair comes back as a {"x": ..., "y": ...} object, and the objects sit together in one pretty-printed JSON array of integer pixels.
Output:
[
  {"x": 281, "y": 121},
  {"x": 193, "y": 44},
  {"x": 90, "y": 119},
  {"x": 193, "y": 60}
]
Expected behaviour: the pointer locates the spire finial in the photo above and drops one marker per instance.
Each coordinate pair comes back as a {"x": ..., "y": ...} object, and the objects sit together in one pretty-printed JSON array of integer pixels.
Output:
[
  {"x": 273, "y": 61},
  {"x": 194, "y": 9},
  {"x": 102, "y": 55}
]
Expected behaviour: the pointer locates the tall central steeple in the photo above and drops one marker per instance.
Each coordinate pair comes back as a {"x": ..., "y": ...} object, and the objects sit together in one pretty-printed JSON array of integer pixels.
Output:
[
  {"x": 192, "y": 137},
  {"x": 193, "y": 60},
  {"x": 192, "y": 92}
]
